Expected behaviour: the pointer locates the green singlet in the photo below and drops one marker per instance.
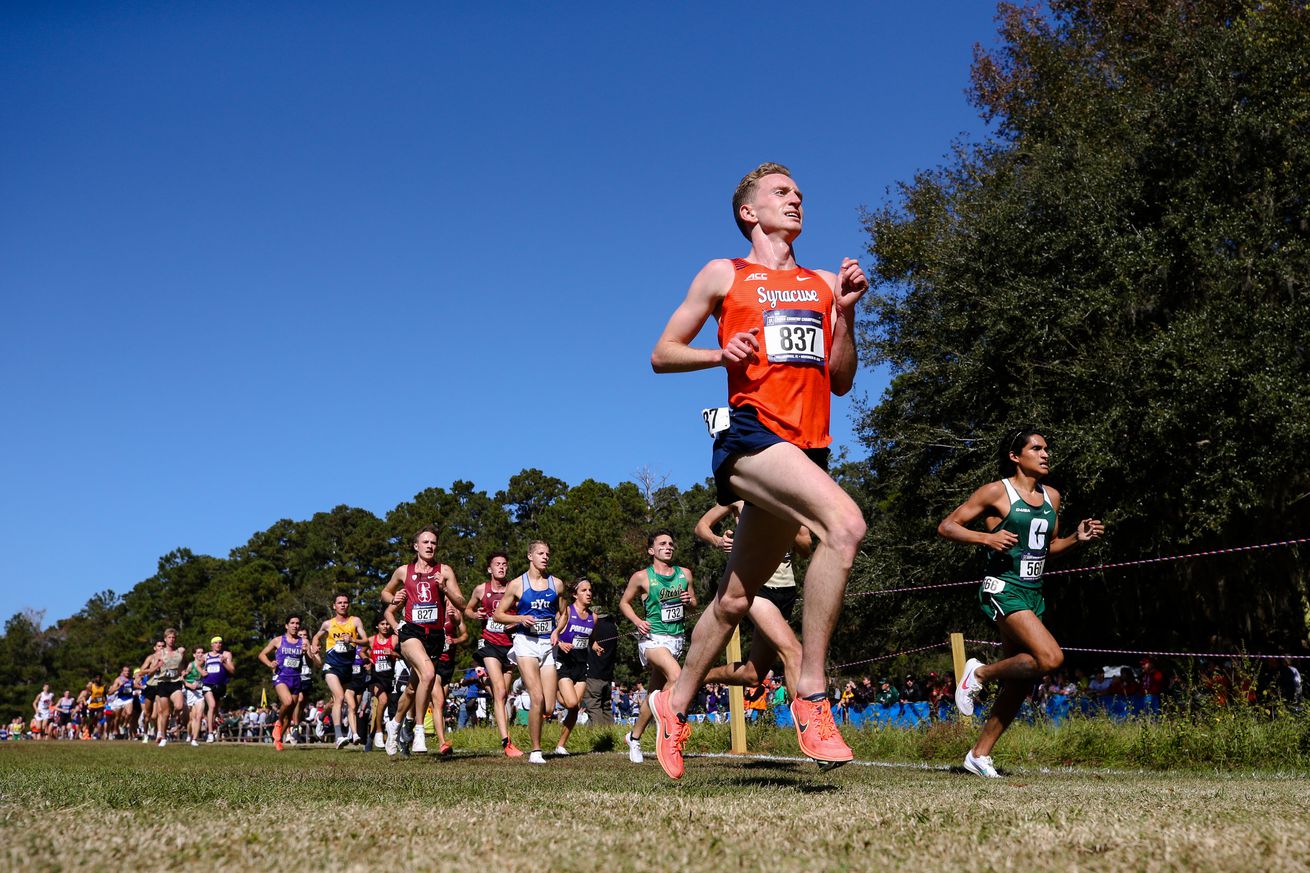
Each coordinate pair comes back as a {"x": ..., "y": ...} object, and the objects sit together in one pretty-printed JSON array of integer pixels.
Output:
[
  {"x": 1022, "y": 563},
  {"x": 665, "y": 610}
]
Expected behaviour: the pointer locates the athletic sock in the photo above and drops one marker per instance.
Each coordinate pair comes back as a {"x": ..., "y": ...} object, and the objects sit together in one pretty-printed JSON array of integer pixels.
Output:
[
  {"x": 817, "y": 697},
  {"x": 504, "y": 742}
]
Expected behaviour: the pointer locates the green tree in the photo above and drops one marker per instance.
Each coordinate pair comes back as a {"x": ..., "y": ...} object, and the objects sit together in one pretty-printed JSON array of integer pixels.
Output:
[{"x": 1123, "y": 264}]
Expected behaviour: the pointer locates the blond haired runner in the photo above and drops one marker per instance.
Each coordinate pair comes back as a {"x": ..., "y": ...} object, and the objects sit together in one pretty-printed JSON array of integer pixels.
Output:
[{"x": 786, "y": 342}]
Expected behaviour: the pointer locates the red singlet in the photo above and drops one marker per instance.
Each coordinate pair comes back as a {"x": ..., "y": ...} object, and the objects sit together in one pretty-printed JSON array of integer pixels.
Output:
[
  {"x": 788, "y": 382},
  {"x": 492, "y": 630},
  {"x": 383, "y": 655},
  {"x": 425, "y": 599}
]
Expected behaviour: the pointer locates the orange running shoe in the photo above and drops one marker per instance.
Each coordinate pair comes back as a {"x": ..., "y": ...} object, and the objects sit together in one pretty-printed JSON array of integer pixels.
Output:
[
  {"x": 817, "y": 733},
  {"x": 513, "y": 751},
  {"x": 277, "y": 735},
  {"x": 446, "y": 749},
  {"x": 671, "y": 734}
]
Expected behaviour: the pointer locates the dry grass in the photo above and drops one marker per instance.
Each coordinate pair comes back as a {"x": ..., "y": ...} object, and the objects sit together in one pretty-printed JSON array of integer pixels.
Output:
[{"x": 101, "y": 806}]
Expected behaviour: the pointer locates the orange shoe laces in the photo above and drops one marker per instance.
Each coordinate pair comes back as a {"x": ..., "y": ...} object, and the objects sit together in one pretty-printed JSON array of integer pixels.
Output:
[{"x": 681, "y": 733}]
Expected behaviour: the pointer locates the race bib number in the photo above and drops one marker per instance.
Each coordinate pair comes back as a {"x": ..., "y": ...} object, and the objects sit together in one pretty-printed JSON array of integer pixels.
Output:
[
  {"x": 581, "y": 641},
  {"x": 168, "y": 674},
  {"x": 425, "y": 613},
  {"x": 1031, "y": 566},
  {"x": 495, "y": 627},
  {"x": 214, "y": 668},
  {"x": 354, "y": 668},
  {"x": 340, "y": 646},
  {"x": 543, "y": 626},
  {"x": 671, "y": 612},
  {"x": 992, "y": 585},
  {"x": 794, "y": 336},
  {"x": 717, "y": 420},
  {"x": 291, "y": 663},
  {"x": 382, "y": 664}
]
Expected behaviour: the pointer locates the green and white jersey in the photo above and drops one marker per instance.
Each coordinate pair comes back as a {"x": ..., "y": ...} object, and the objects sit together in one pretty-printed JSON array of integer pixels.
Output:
[
  {"x": 665, "y": 610},
  {"x": 1022, "y": 564}
]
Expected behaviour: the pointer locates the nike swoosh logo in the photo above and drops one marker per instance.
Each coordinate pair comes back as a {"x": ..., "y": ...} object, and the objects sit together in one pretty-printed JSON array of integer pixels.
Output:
[{"x": 803, "y": 725}]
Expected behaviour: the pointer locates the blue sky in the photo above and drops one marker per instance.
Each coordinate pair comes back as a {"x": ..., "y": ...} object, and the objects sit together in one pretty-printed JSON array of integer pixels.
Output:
[{"x": 258, "y": 260}]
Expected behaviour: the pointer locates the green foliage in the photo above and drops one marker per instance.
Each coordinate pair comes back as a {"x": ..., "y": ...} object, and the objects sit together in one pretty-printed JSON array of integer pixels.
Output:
[
  {"x": 596, "y": 530},
  {"x": 1123, "y": 264}
]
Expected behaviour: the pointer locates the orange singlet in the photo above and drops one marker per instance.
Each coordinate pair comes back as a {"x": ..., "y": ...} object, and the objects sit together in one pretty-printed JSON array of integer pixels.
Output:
[{"x": 788, "y": 382}]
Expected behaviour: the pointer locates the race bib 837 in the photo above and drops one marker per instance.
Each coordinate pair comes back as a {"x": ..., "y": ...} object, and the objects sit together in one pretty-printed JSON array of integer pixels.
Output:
[{"x": 794, "y": 336}]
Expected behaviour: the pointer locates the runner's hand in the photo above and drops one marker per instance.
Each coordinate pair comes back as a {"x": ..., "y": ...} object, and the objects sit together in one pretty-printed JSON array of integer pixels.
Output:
[
  {"x": 1000, "y": 540},
  {"x": 741, "y": 348},
  {"x": 725, "y": 542},
  {"x": 1089, "y": 529},
  {"x": 643, "y": 626},
  {"x": 851, "y": 283},
  {"x": 398, "y": 598},
  {"x": 685, "y": 596},
  {"x": 566, "y": 647}
]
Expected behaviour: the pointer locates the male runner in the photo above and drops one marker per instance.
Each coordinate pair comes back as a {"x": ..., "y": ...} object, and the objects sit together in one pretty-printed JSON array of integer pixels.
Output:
[
  {"x": 786, "y": 339},
  {"x": 43, "y": 709},
  {"x": 577, "y": 625},
  {"x": 494, "y": 644},
  {"x": 219, "y": 669},
  {"x": 94, "y": 698},
  {"x": 1021, "y": 517},
  {"x": 150, "y": 685},
  {"x": 534, "y": 601},
  {"x": 456, "y": 633},
  {"x": 424, "y": 585},
  {"x": 64, "y": 714},
  {"x": 665, "y": 591},
  {"x": 343, "y": 632},
  {"x": 289, "y": 650},
  {"x": 122, "y": 696},
  {"x": 382, "y": 652},
  {"x": 165, "y": 668},
  {"x": 193, "y": 690},
  {"x": 770, "y": 611}
]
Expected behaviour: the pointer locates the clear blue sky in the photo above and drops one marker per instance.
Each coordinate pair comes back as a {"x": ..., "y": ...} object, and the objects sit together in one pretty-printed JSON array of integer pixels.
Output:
[{"x": 258, "y": 260}]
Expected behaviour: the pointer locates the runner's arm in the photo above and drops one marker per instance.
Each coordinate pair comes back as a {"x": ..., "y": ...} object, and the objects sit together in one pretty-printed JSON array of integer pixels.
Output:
[
  {"x": 636, "y": 585},
  {"x": 396, "y": 580},
  {"x": 803, "y": 545},
  {"x": 690, "y": 594},
  {"x": 461, "y": 630},
  {"x": 451, "y": 584},
  {"x": 848, "y": 286},
  {"x": 511, "y": 598},
  {"x": 705, "y": 527},
  {"x": 1087, "y": 530},
  {"x": 981, "y": 503},
  {"x": 672, "y": 352},
  {"x": 266, "y": 651},
  {"x": 475, "y": 597}
]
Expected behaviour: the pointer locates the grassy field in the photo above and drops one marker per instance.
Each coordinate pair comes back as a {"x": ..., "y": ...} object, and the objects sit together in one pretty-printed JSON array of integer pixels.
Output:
[{"x": 106, "y": 805}]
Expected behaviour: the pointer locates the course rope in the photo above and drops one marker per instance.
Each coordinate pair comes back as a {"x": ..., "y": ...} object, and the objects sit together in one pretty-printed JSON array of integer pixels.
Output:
[
  {"x": 1230, "y": 655},
  {"x": 1142, "y": 562}
]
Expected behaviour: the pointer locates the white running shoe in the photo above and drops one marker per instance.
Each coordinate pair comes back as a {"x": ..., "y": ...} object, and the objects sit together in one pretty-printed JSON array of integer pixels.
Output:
[
  {"x": 195, "y": 742},
  {"x": 378, "y": 740},
  {"x": 393, "y": 739},
  {"x": 536, "y": 758},
  {"x": 342, "y": 742},
  {"x": 145, "y": 738},
  {"x": 634, "y": 749},
  {"x": 561, "y": 751},
  {"x": 980, "y": 765},
  {"x": 163, "y": 742},
  {"x": 420, "y": 746},
  {"x": 968, "y": 687},
  {"x": 209, "y": 739}
]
